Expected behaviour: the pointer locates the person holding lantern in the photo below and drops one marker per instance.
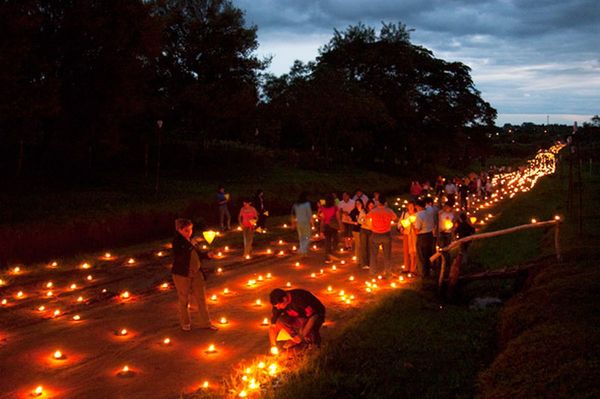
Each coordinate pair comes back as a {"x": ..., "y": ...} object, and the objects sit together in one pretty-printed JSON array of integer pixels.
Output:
[
  {"x": 299, "y": 313},
  {"x": 188, "y": 276},
  {"x": 409, "y": 237},
  {"x": 247, "y": 219}
]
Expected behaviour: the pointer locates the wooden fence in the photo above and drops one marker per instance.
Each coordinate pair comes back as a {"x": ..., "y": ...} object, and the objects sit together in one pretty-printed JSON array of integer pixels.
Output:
[{"x": 454, "y": 273}]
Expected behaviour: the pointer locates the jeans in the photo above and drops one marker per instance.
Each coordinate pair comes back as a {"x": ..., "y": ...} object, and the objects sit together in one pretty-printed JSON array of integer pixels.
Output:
[
  {"x": 425, "y": 248},
  {"x": 331, "y": 240},
  {"x": 224, "y": 214},
  {"x": 365, "y": 242},
  {"x": 385, "y": 240},
  {"x": 304, "y": 232},
  {"x": 248, "y": 233}
]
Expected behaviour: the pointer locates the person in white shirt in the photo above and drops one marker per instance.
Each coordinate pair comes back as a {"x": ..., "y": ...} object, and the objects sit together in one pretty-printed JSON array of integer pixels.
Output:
[
  {"x": 346, "y": 206},
  {"x": 424, "y": 226},
  {"x": 361, "y": 196}
]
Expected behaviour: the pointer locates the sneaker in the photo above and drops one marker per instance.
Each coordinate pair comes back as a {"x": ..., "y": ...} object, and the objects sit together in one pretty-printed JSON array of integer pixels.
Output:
[{"x": 186, "y": 327}]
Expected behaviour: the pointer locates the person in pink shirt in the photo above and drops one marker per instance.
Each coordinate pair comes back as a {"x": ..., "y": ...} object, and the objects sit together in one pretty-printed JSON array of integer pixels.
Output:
[
  {"x": 247, "y": 219},
  {"x": 331, "y": 220}
]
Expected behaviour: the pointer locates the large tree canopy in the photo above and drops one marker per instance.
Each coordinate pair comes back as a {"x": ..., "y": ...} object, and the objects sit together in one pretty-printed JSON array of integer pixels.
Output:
[{"x": 380, "y": 91}]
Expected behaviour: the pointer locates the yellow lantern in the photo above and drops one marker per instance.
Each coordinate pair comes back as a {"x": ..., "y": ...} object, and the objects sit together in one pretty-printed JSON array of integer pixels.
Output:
[
  {"x": 405, "y": 223},
  {"x": 412, "y": 218},
  {"x": 473, "y": 219},
  {"x": 448, "y": 224},
  {"x": 209, "y": 236}
]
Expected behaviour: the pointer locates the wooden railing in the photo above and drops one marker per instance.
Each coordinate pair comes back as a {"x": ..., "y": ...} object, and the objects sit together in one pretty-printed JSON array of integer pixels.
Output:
[{"x": 454, "y": 273}]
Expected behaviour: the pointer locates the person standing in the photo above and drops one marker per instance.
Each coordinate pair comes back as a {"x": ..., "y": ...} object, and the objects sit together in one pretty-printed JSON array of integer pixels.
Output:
[
  {"x": 359, "y": 194},
  {"x": 381, "y": 218},
  {"x": 188, "y": 276},
  {"x": 259, "y": 204},
  {"x": 247, "y": 219},
  {"x": 331, "y": 221},
  {"x": 446, "y": 225},
  {"x": 354, "y": 214},
  {"x": 424, "y": 225},
  {"x": 223, "y": 206},
  {"x": 365, "y": 234},
  {"x": 302, "y": 220},
  {"x": 346, "y": 206},
  {"x": 409, "y": 237}
]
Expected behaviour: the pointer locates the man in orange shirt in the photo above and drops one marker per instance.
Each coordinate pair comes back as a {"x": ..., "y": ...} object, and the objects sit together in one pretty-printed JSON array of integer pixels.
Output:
[{"x": 381, "y": 218}]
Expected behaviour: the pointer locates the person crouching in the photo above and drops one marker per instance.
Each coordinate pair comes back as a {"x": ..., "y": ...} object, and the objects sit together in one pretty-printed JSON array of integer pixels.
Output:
[{"x": 299, "y": 313}]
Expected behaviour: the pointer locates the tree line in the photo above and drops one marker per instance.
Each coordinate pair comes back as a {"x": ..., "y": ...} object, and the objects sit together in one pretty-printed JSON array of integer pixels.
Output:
[{"x": 92, "y": 86}]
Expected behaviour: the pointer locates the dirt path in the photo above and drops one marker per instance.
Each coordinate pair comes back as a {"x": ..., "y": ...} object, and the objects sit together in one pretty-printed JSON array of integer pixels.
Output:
[{"x": 95, "y": 354}]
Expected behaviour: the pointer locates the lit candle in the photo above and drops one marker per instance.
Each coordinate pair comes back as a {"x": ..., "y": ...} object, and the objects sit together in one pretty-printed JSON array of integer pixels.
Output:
[
  {"x": 260, "y": 278},
  {"x": 281, "y": 253},
  {"x": 329, "y": 289},
  {"x": 54, "y": 264},
  {"x": 125, "y": 295},
  {"x": 211, "y": 349},
  {"x": 205, "y": 384},
  {"x": 213, "y": 297},
  {"x": 17, "y": 270},
  {"x": 220, "y": 270},
  {"x": 89, "y": 277},
  {"x": 288, "y": 284},
  {"x": 223, "y": 320},
  {"x": 258, "y": 303},
  {"x": 160, "y": 254},
  {"x": 351, "y": 278},
  {"x": 265, "y": 322},
  {"x": 269, "y": 275},
  {"x": 226, "y": 248},
  {"x": 49, "y": 293},
  {"x": 48, "y": 284},
  {"x": 20, "y": 294},
  {"x": 274, "y": 351},
  {"x": 80, "y": 299},
  {"x": 85, "y": 265},
  {"x": 533, "y": 221},
  {"x": 107, "y": 255},
  {"x": 297, "y": 264},
  {"x": 4, "y": 302},
  {"x": 167, "y": 341},
  {"x": 334, "y": 267},
  {"x": 38, "y": 391},
  {"x": 247, "y": 257},
  {"x": 123, "y": 332},
  {"x": 225, "y": 291},
  {"x": 125, "y": 372},
  {"x": 73, "y": 286},
  {"x": 76, "y": 317},
  {"x": 58, "y": 355},
  {"x": 313, "y": 275},
  {"x": 42, "y": 308},
  {"x": 164, "y": 286},
  {"x": 280, "y": 242},
  {"x": 131, "y": 261}
]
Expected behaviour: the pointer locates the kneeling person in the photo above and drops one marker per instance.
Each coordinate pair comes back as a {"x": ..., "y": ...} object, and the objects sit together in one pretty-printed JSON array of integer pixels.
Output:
[{"x": 299, "y": 313}]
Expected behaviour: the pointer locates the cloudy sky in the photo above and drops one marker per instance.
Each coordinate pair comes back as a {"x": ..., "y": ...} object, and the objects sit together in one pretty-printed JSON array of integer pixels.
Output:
[{"x": 529, "y": 58}]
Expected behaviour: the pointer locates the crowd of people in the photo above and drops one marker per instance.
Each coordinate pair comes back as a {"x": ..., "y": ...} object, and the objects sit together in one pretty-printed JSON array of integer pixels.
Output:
[{"x": 366, "y": 225}]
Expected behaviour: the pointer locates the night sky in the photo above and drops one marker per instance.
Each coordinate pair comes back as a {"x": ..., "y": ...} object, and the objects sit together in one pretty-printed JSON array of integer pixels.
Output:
[{"x": 528, "y": 58}]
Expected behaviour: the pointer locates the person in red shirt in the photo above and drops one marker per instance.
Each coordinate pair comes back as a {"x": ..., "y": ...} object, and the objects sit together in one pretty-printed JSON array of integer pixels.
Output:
[
  {"x": 381, "y": 218},
  {"x": 247, "y": 219},
  {"x": 299, "y": 313}
]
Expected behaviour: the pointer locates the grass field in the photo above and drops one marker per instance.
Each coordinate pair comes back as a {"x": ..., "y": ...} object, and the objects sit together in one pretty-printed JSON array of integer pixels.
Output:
[{"x": 544, "y": 343}]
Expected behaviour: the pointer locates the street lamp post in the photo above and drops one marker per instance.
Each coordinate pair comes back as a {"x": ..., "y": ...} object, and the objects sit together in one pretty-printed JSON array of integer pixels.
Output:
[{"x": 159, "y": 124}]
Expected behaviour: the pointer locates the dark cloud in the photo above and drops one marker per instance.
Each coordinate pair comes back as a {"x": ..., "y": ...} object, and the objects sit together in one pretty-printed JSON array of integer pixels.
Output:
[{"x": 529, "y": 56}]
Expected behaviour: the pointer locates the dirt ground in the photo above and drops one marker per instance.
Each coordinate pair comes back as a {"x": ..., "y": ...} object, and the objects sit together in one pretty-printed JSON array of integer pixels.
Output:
[{"x": 95, "y": 353}]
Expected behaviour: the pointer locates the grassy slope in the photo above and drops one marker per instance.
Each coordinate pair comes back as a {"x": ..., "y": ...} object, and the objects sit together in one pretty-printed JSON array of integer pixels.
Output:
[
  {"x": 406, "y": 346},
  {"x": 549, "y": 333}
]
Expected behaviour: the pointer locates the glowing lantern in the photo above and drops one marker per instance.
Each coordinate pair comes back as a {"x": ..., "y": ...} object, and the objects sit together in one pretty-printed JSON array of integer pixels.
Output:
[
  {"x": 107, "y": 255},
  {"x": 125, "y": 295},
  {"x": 205, "y": 385},
  {"x": 123, "y": 332},
  {"x": 131, "y": 261},
  {"x": 209, "y": 236},
  {"x": 225, "y": 291},
  {"x": 164, "y": 286},
  {"x": 274, "y": 351},
  {"x": 89, "y": 277},
  {"x": 160, "y": 254},
  {"x": 54, "y": 264},
  {"x": 211, "y": 349},
  {"x": 48, "y": 284},
  {"x": 220, "y": 270},
  {"x": 49, "y": 294},
  {"x": 269, "y": 276},
  {"x": 20, "y": 294},
  {"x": 405, "y": 223},
  {"x": 167, "y": 341},
  {"x": 448, "y": 224},
  {"x": 223, "y": 320},
  {"x": 351, "y": 278},
  {"x": 265, "y": 322},
  {"x": 288, "y": 284},
  {"x": 4, "y": 302},
  {"x": 56, "y": 313},
  {"x": 17, "y": 270},
  {"x": 42, "y": 308},
  {"x": 76, "y": 317},
  {"x": 313, "y": 275},
  {"x": 269, "y": 251},
  {"x": 58, "y": 355},
  {"x": 213, "y": 297},
  {"x": 73, "y": 286},
  {"x": 85, "y": 265},
  {"x": 412, "y": 218},
  {"x": 38, "y": 391},
  {"x": 80, "y": 299},
  {"x": 258, "y": 303},
  {"x": 533, "y": 221},
  {"x": 473, "y": 219},
  {"x": 247, "y": 257},
  {"x": 334, "y": 267}
]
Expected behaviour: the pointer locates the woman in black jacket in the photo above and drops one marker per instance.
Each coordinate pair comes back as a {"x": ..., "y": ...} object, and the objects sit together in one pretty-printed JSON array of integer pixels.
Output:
[{"x": 188, "y": 276}]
